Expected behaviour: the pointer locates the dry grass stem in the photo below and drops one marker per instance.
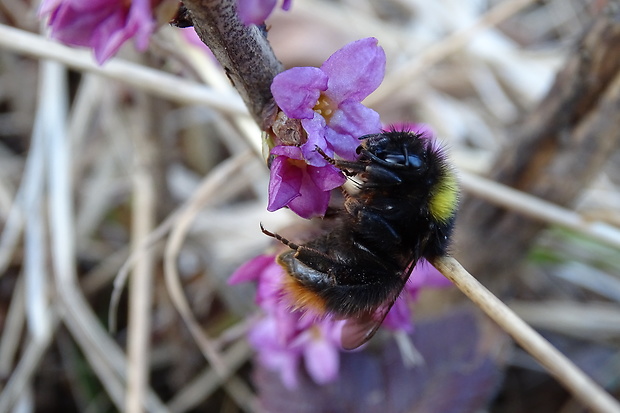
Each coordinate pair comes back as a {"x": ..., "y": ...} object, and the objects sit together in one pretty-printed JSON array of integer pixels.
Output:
[
  {"x": 151, "y": 80},
  {"x": 74, "y": 307},
  {"x": 576, "y": 381},
  {"x": 103, "y": 354},
  {"x": 201, "y": 197},
  {"x": 141, "y": 285},
  {"x": 535, "y": 207},
  {"x": 12, "y": 331},
  {"x": 207, "y": 382},
  {"x": 590, "y": 321},
  {"x": 23, "y": 374},
  {"x": 218, "y": 178}
]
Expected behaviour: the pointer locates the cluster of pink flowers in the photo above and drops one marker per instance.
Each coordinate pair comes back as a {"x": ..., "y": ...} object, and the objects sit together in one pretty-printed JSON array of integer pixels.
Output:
[
  {"x": 327, "y": 100},
  {"x": 284, "y": 339},
  {"x": 105, "y": 25}
]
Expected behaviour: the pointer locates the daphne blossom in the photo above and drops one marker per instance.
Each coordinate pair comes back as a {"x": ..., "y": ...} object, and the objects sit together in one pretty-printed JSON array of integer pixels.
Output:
[
  {"x": 327, "y": 100},
  {"x": 286, "y": 340},
  {"x": 103, "y": 25},
  {"x": 304, "y": 188}
]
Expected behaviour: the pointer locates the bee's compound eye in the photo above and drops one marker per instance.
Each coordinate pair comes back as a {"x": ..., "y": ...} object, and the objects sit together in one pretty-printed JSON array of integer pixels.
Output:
[
  {"x": 400, "y": 159},
  {"x": 414, "y": 161}
]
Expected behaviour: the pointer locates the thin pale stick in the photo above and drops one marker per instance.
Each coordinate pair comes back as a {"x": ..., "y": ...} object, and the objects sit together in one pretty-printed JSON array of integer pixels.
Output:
[
  {"x": 219, "y": 177},
  {"x": 207, "y": 382},
  {"x": 151, "y": 80},
  {"x": 141, "y": 283},
  {"x": 26, "y": 368},
  {"x": 565, "y": 371},
  {"x": 537, "y": 208},
  {"x": 13, "y": 327},
  {"x": 102, "y": 353}
]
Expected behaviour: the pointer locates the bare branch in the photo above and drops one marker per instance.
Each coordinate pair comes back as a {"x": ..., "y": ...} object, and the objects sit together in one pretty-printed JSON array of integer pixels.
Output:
[
  {"x": 243, "y": 51},
  {"x": 564, "y": 370}
]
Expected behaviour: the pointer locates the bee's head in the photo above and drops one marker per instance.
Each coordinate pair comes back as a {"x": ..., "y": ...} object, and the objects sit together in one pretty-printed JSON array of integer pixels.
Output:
[{"x": 401, "y": 152}]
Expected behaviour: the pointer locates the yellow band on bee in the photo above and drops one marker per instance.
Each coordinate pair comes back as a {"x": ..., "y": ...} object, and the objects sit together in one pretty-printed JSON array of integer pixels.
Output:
[{"x": 444, "y": 198}]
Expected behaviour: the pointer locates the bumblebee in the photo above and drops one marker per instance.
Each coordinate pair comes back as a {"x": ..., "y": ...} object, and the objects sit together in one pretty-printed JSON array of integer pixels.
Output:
[{"x": 403, "y": 210}]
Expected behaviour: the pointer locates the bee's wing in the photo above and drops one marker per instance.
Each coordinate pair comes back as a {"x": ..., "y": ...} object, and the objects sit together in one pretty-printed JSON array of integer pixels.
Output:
[{"x": 359, "y": 329}]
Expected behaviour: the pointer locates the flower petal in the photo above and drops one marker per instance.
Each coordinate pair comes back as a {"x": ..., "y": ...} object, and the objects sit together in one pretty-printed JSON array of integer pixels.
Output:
[
  {"x": 355, "y": 71},
  {"x": 313, "y": 200},
  {"x": 291, "y": 152},
  {"x": 286, "y": 4},
  {"x": 327, "y": 177},
  {"x": 103, "y": 25},
  {"x": 352, "y": 121},
  {"x": 251, "y": 270},
  {"x": 254, "y": 11},
  {"x": 355, "y": 119},
  {"x": 269, "y": 292},
  {"x": 272, "y": 354},
  {"x": 322, "y": 360},
  {"x": 399, "y": 316},
  {"x": 141, "y": 23},
  {"x": 47, "y": 6},
  {"x": 315, "y": 129},
  {"x": 297, "y": 90},
  {"x": 109, "y": 36},
  {"x": 426, "y": 275},
  {"x": 285, "y": 181}
]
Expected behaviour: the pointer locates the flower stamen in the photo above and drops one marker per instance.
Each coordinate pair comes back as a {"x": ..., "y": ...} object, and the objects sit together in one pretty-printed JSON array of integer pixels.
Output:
[{"x": 325, "y": 107}]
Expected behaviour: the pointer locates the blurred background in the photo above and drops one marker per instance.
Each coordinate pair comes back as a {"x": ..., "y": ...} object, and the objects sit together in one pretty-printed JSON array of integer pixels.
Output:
[{"x": 117, "y": 170}]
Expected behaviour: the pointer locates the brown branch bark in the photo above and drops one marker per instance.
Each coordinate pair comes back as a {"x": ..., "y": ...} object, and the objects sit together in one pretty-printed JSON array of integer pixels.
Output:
[
  {"x": 243, "y": 51},
  {"x": 556, "y": 151},
  {"x": 249, "y": 62}
]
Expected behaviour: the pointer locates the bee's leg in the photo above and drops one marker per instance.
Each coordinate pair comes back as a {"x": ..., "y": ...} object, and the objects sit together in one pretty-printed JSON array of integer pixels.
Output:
[
  {"x": 317, "y": 260},
  {"x": 379, "y": 173},
  {"x": 280, "y": 238},
  {"x": 375, "y": 220},
  {"x": 347, "y": 196},
  {"x": 380, "y": 176},
  {"x": 309, "y": 256},
  {"x": 350, "y": 168},
  {"x": 371, "y": 219}
]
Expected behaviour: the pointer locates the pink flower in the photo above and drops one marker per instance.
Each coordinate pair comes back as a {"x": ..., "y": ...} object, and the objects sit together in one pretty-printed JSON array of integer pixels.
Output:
[
  {"x": 303, "y": 188},
  {"x": 328, "y": 102},
  {"x": 283, "y": 338},
  {"x": 328, "y": 99},
  {"x": 257, "y": 11},
  {"x": 103, "y": 25}
]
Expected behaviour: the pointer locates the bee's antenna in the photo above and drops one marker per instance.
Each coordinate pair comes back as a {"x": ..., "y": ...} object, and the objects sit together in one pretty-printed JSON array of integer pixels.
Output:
[{"x": 280, "y": 238}]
